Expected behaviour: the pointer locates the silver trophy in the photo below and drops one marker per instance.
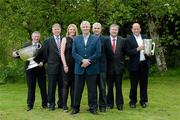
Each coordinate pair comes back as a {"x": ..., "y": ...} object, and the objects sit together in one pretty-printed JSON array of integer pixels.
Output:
[
  {"x": 149, "y": 47},
  {"x": 28, "y": 54}
]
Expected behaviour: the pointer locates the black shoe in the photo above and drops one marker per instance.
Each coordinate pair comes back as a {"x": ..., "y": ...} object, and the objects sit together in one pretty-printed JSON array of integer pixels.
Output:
[
  {"x": 60, "y": 106},
  {"x": 29, "y": 108},
  {"x": 144, "y": 105},
  {"x": 94, "y": 112},
  {"x": 132, "y": 105},
  {"x": 51, "y": 108},
  {"x": 102, "y": 109},
  {"x": 74, "y": 111},
  {"x": 120, "y": 108}
]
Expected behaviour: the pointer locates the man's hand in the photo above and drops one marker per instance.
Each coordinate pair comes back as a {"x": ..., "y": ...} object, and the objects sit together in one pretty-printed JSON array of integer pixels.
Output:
[
  {"x": 40, "y": 64},
  {"x": 85, "y": 63},
  {"x": 141, "y": 47},
  {"x": 14, "y": 54}
]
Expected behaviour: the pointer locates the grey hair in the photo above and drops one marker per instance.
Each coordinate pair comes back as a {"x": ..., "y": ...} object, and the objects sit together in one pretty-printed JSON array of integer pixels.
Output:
[
  {"x": 114, "y": 25},
  {"x": 85, "y": 23},
  {"x": 97, "y": 24}
]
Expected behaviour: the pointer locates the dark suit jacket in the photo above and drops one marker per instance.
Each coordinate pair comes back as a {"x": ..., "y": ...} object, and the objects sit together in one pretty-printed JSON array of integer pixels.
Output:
[
  {"x": 52, "y": 56},
  {"x": 103, "y": 57},
  {"x": 134, "y": 55},
  {"x": 91, "y": 51},
  {"x": 115, "y": 63}
]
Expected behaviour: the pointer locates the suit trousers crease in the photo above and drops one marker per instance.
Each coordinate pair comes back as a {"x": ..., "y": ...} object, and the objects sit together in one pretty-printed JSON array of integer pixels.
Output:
[
  {"x": 140, "y": 76},
  {"x": 54, "y": 79},
  {"x": 101, "y": 83},
  {"x": 117, "y": 80},
  {"x": 31, "y": 84},
  {"x": 91, "y": 87}
]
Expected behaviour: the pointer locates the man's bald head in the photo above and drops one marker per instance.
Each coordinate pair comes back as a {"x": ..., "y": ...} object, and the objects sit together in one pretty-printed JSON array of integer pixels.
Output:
[{"x": 136, "y": 29}]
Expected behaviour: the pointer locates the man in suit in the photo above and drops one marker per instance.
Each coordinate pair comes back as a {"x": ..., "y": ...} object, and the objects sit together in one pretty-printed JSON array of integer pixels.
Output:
[
  {"x": 138, "y": 66},
  {"x": 101, "y": 79},
  {"x": 53, "y": 59},
  {"x": 35, "y": 73},
  {"x": 115, "y": 67},
  {"x": 86, "y": 52}
]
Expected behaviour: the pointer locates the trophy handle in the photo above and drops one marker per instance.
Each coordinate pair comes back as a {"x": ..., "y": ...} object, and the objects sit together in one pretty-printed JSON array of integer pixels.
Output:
[
  {"x": 38, "y": 46},
  {"x": 152, "y": 51}
]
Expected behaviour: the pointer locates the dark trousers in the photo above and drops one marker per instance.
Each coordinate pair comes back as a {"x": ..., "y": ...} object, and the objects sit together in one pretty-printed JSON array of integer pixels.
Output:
[
  {"x": 31, "y": 76},
  {"x": 91, "y": 87},
  {"x": 101, "y": 83},
  {"x": 54, "y": 79},
  {"x": 68, "y": 84},
  {"x": 141, "y": 77},
  {"x": 117, "y": 79}
]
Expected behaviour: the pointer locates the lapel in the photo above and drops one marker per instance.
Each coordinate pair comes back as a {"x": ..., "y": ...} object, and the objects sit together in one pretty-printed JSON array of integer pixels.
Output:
[
  {"x": 89, "y": 40},
  {"x": 54, "y": 44},
  {"x": 134, "y": 41},
  {"x": 109, "y": 44},
  {"x": 81, "y": 41}
]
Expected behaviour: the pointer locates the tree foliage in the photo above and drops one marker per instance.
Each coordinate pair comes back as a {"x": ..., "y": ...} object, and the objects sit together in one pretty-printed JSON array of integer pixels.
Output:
[{"x": 19, "y": 18}]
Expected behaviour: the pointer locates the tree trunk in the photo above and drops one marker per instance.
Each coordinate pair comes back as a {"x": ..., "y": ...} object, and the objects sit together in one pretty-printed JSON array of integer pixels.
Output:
[{"x": 159, "y": 50}]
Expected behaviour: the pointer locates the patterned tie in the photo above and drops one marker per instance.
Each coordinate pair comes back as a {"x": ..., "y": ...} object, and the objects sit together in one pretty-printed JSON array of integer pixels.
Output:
[
  {"x": 58, "y": 44},
  {"x": 113, "y": 45}
]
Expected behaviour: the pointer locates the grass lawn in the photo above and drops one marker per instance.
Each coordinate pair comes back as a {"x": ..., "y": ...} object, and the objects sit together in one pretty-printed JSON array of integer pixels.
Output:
[{"x": 164, "y": 103}]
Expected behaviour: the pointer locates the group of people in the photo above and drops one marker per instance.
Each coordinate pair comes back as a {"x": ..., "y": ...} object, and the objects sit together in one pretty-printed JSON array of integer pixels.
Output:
[{"x": 92, "y": 58}]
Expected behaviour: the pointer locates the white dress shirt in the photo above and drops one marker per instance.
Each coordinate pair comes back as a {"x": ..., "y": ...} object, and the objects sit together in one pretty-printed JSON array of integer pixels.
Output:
[
  {"x": 140, "y": 42},
  {"x": 86, "y": 39}
]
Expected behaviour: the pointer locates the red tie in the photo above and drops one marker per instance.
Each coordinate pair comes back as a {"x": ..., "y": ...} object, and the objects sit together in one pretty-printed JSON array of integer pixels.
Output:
[{"x": 113, "y": 45}]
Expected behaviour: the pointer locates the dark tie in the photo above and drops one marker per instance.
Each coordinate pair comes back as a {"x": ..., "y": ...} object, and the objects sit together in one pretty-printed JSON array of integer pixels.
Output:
[{"x": 113, "y": 45}]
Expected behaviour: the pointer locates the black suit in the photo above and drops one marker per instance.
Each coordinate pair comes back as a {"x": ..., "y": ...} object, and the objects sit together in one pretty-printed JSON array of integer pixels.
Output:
[
  {"x": 138, "y": 71},
  {"x": 32, "y": 75},
  {"x": 101, "y": 82},
  {"x": 52, "y": 57},
  {"x": 115, "y": 68}
]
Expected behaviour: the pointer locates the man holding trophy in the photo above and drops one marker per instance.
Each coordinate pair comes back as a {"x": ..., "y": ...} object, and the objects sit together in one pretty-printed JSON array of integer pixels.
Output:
[
  {"x": 34, "y": 69},
  {"x": 139, "y": 49}
]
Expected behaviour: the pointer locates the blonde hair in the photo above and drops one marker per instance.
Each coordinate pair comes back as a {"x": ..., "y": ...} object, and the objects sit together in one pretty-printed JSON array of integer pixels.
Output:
[{"x": 74, "y": 26}]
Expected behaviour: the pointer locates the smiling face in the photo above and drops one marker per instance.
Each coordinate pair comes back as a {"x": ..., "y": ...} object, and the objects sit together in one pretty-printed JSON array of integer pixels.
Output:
[
  {"x": 56, "y": 29},
  {"x": 35, "y": 37},
  {"x": 71, "y": 31},
  {"x": 136, "y": 29},
  {"x": 114, "y": 31},
  {"x": 96, "y": 29},
  {"x": 85, "y": 27}
]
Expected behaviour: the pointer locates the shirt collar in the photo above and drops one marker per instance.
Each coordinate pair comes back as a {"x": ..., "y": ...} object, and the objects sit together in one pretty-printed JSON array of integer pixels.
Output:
[{"x": 113, "y": 37}]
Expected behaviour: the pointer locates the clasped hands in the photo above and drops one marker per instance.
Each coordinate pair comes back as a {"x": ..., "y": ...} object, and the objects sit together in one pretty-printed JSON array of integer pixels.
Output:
[
  {"x": 85, "y": 63},
  {"x": 141, "y": 47}
]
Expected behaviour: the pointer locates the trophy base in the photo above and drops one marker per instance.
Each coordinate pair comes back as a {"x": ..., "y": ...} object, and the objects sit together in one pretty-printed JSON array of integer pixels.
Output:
[{"x": 32, "y": 64}]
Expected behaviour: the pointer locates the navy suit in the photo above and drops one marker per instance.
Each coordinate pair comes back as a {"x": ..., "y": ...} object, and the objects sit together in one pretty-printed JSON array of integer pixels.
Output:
[
  {"x": 115, "y": 69},
  {"x": 92, "y": 52},
  {"x": 138, "y": 71},
  {"x": 53, "y": 59}
]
